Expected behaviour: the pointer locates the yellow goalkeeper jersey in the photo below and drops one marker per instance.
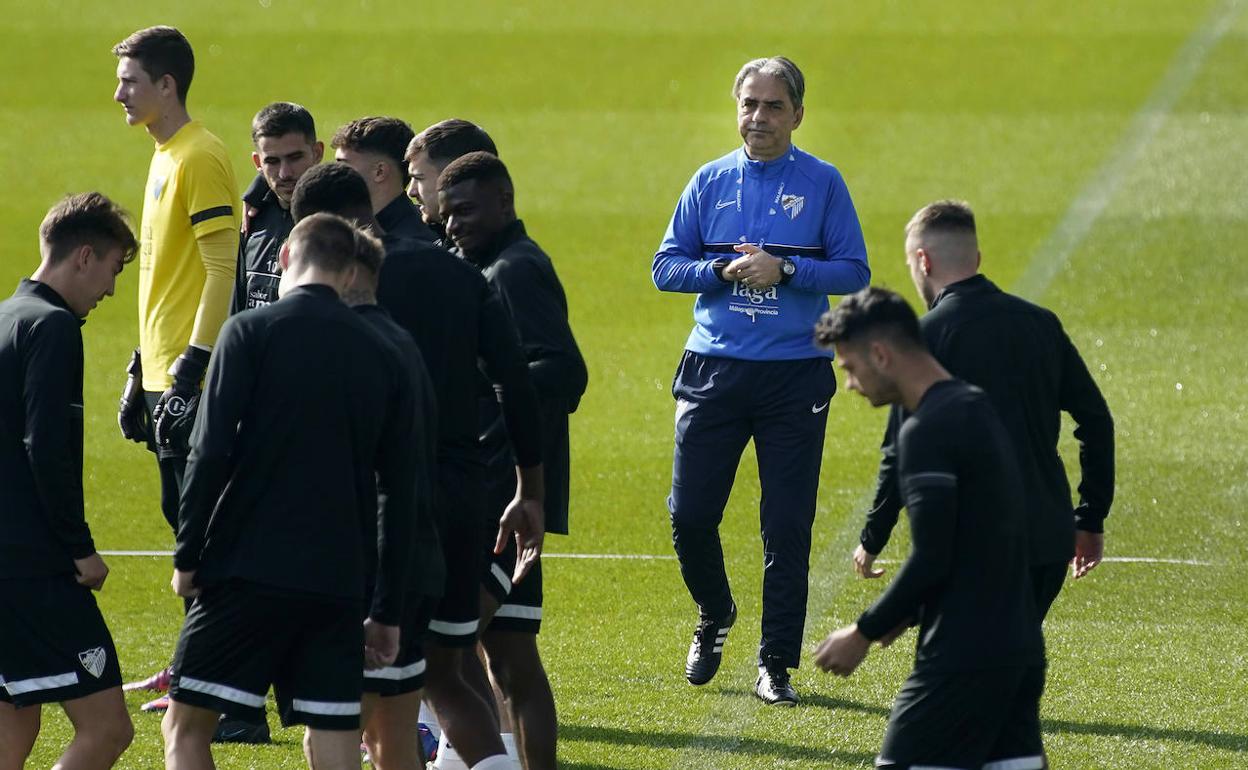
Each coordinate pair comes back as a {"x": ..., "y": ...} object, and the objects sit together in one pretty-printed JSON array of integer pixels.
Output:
[{"x": 184, "y": 297}]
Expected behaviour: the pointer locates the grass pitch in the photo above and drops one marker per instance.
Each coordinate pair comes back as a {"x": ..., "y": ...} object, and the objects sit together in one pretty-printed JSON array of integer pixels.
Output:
[{"x": 1102, "y": 145}]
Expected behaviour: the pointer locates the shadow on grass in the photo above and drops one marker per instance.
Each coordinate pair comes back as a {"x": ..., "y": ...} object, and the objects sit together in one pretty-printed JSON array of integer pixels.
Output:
[
  {"x": 759, "y": 747},
  {"x": 1216, "y": 740},
  {"x": 818, "y": 701}
]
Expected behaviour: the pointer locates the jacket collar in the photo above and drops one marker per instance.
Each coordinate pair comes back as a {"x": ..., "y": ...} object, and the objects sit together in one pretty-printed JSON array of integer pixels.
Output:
[
  {"x": 47, "y": 294},
  {"x": 976, "y": 284}
]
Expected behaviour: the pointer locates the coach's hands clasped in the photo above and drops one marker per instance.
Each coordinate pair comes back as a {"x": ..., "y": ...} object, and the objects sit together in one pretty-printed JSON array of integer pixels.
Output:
[{"x": 755, "y": 269}]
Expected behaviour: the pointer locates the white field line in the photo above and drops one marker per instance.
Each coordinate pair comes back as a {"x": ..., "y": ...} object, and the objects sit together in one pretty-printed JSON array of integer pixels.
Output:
[
  {"x": 671, "y": 557},
  {"x": 607, "y": 556},
  {"x": 1122, "y": 560},
  {"x": 1052, "y": 255}
]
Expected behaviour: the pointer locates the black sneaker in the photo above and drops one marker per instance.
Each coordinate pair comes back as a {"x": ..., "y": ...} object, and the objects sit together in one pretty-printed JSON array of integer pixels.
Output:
[
  {"x": 707, "y": 648},
  {"x": 773, "y": 686},
  {"x": 232, "y": 730}
]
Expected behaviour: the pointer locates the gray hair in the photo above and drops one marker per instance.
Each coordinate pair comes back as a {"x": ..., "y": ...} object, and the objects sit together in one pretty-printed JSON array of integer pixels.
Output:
[{"x": 777, "y": 67}]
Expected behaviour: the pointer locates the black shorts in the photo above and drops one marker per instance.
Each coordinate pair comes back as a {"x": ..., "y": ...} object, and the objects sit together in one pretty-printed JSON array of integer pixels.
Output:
[
  {"x": 407, "y": 673},
  {"x": 967, "y": 721},
  {"x": 54, "y": 645},
  {"x": 520, "y": 606},
  {"x": 239, "y": 638},
  {"x": 461, "y": 520}
]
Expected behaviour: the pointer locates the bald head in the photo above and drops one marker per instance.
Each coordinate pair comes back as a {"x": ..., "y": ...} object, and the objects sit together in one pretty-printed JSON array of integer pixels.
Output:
[{"x": 941, "y": 246}]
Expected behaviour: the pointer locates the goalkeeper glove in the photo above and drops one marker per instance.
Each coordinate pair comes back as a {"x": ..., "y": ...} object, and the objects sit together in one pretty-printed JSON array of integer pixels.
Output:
[
  {"x": 132, "y": 415},
  {"x": 174, "y": 415}
]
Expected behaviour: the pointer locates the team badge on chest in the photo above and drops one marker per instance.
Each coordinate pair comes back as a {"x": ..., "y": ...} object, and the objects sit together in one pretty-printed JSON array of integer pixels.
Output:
[{"x": 793, "y": 204}]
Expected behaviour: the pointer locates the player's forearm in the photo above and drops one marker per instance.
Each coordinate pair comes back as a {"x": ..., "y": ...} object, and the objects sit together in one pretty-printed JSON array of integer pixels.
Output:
[
  {"x": 559, "y": 375},
  {"x": 521, "y": 414},
  {"x": 1096, "y": 463},
  {"x": 205, "y": 480},
  {"x": 396, "y": 519},
  {"x": 219, "y": 252}
]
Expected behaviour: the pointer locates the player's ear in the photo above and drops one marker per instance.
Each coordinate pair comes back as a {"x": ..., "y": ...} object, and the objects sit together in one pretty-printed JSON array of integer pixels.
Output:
[
  {"x": 82, "y": 257},
  {"x": 978, "y": 260},
  {"x": 925, "y": 261},
  {"x": 798, "y": 114},
  {"x": 283, "y": 257},
  {"x": 255, "y": 159},
  {"x": 318, "y": 151}
]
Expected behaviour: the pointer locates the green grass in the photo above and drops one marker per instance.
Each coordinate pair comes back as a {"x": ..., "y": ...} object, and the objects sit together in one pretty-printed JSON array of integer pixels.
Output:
[{"x": 602, "y": 111}]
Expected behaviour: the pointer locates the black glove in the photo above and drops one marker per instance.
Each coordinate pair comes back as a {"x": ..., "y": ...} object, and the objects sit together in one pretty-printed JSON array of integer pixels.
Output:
[
  {"x": 132, "y": 413},
  {"x": 174, "y": 415}
]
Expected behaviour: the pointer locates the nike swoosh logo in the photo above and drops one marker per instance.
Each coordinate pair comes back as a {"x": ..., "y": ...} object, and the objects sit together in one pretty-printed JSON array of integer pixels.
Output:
[
  {"x": 725, "y": 204},
  {"x": 818, "y": 409}
]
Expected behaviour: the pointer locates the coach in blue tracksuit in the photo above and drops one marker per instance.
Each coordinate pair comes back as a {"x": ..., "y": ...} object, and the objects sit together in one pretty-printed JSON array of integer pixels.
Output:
[{"x": 762, "y": 236}]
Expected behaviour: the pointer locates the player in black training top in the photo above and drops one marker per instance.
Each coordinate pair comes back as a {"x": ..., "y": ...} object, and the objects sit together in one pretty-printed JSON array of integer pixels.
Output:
[
  {"x": 456, "y": 320},
  {"x": 1020, "y": 355},
  {"x": 973, "y": 699},
  {"x": 431, "y": 151},
  {"x": 284, "y": 135},
  {"x": 307, "y": 410},
  {"x": 374, "y": 147},
  {"x": 54, "y": 645},
  {"x": 476, "y": 202},
  {"x": 392, "y": 694}
]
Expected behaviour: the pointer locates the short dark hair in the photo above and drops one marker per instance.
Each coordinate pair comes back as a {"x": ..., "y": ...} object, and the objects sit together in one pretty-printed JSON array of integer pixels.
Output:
[
  {"x": 369, "y": 252},
  {"x": 325, "y": 241},
  {"x": 282, "y": 118},
  {"x": 943, "y": 216},
  {"x": 88, "y": 218},
  {"x": 481, "y": 166},
  {"x": 870, "y": 312},
  {"x": 335, "y": 188},
  {"x": 161, "y": 51},
  {"x": 448, "y": 140},
  {"x": 779, "y": 67},
  {"x": 388, "y": 137}
]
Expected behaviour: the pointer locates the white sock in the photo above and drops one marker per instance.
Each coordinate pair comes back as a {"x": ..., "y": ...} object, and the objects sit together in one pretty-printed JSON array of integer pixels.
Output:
[
  {"x": 497, "y": 762},
  {"x": 430, "y": 720},
  {"x": 509, "y": 743},
  {"x": 448, "y": 757}
]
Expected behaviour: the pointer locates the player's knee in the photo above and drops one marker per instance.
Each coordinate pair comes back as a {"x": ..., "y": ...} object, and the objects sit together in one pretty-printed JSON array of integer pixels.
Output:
[{"x": 111, "y": 737}]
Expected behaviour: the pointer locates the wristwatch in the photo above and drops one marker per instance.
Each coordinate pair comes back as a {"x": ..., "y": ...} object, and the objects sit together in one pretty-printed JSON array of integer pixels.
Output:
[{"x": 788, "y": 269}]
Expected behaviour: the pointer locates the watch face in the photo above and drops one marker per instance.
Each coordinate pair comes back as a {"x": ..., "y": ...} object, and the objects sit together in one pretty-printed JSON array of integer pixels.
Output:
[{"x": 789, "y": 268}]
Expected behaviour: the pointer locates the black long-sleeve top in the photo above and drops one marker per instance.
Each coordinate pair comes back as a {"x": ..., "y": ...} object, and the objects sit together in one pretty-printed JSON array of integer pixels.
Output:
[
  {"x": 400, "y": 218},
  {"x": 966, "y": 580},
  {"x": 303, "y": 403},
  {"x": 42, "y": 523},
  {"x": 529, "y": 287},
  {"x": 457, "y": 321},
  {"x": 427, "y": 573},
  {"x": 1020, "y": 355},
  {"x": 261, "y": 239}
]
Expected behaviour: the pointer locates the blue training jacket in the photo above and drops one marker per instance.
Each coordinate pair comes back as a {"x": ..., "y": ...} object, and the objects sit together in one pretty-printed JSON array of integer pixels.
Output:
[{"x": 796, "y": 206}]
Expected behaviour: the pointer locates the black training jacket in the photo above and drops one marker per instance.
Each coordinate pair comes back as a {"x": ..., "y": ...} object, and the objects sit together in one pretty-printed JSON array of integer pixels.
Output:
[
  {"x": 401, "y": 218},
  {"x": 303, "y": 404},
  {"x": 966, "y": 581},
  {"x": 1019, "y": 354},
  {"x": 458, "y": 320},
  {"x": 42, "y": 527},
  {"x": 526, "y": 282},
  {"x": 261, "y": 239}
]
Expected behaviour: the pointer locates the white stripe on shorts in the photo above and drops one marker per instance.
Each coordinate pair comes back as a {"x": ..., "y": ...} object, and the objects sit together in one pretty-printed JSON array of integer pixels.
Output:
[
  {"x": 221, "y": 691},
  {"x": 1034, "y": 762},
  {"x": 38, "y": 684},
  {"x": 501, "y": 576},
  {"x": 326, "y": 708},
  {"x": 519, "y": 611},
  {"x": 446, "y": 628},
  {"x": 396, "y": 674}
]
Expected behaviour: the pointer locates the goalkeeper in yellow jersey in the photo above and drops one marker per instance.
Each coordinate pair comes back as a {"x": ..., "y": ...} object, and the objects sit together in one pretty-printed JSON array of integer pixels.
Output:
[{"x": 187, "y": 257}]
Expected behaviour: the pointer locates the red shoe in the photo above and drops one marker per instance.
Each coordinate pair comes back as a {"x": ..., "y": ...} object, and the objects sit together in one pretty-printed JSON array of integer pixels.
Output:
[
  {"x": 158, "y": 682},
  {"x": 157, "y": 706}
]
